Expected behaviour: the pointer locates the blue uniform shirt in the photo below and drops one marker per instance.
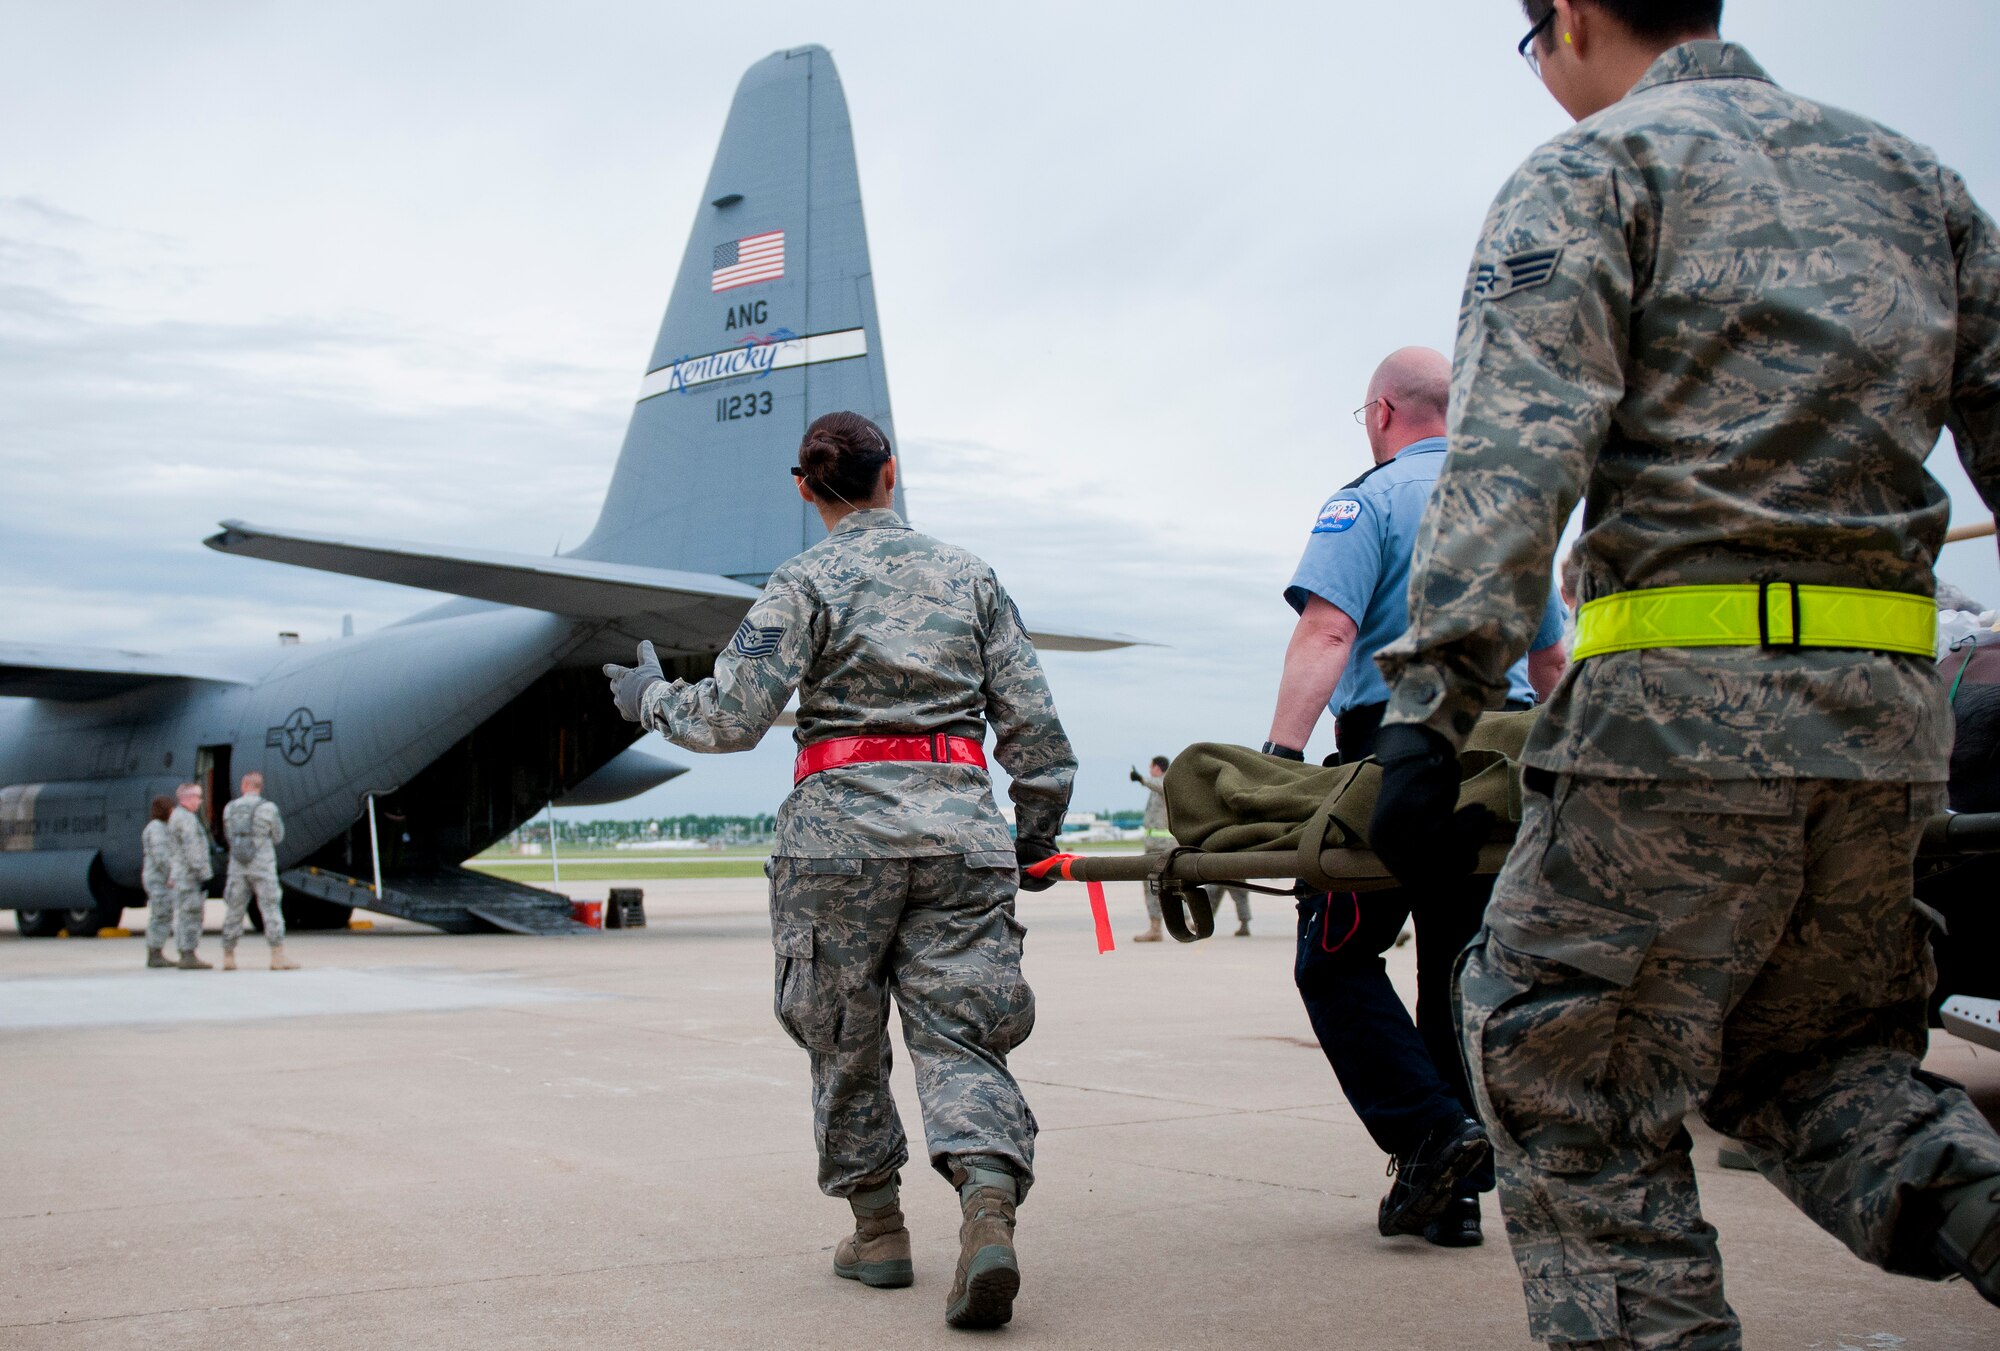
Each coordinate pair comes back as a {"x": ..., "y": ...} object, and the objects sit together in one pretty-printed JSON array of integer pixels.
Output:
[{"x": 1358, "y": 558}]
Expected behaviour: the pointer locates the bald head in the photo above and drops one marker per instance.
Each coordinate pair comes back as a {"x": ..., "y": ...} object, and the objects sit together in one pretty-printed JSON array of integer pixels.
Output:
[{"x": 1407, "y": 397}]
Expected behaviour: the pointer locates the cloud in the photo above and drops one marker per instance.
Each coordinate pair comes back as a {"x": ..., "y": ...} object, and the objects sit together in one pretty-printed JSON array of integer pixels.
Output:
[
  {"x": 391, "y": 274},
  {"x": 126, "y": 437}
]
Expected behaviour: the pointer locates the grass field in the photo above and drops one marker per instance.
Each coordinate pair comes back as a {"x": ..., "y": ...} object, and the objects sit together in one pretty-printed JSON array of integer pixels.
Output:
[{"x": 598, "y": 870}]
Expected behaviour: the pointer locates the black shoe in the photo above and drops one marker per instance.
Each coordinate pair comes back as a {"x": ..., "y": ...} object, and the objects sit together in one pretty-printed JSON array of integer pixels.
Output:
[
  {"x": 1427, "y": 1178},
  {"x": 1969, "y": 1238},
  {"x": 1458, "y": 1227}
]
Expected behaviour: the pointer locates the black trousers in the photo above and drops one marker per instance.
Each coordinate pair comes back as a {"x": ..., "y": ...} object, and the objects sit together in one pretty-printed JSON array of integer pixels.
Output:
[{"x": 1403, "y": 1078}]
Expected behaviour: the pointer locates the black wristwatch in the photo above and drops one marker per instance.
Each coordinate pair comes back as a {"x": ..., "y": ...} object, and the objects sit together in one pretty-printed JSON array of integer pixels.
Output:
[{"x": 1284, "y": 752}]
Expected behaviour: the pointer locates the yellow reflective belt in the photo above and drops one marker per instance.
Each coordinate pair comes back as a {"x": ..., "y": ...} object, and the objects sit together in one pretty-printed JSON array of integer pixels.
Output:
[{"x": 1776, "y": 615}]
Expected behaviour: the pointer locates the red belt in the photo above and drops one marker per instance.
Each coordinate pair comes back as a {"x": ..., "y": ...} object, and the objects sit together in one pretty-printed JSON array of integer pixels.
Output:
[{"x": 937, "y": 749}]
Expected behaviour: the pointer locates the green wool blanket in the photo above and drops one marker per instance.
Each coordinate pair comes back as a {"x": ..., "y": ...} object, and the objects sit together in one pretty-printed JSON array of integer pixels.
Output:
[{"x": 1228, "y": 799}]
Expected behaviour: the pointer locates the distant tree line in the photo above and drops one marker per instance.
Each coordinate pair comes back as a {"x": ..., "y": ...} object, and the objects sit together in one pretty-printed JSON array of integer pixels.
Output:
[{"x": 703, "y": 829}]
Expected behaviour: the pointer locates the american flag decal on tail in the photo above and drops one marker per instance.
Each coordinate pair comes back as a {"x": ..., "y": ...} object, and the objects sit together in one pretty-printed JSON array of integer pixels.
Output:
[{"x": 743, "y": 262}]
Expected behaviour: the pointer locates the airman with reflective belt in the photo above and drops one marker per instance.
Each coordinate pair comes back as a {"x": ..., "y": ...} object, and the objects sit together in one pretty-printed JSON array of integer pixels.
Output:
[
  {"x": 1732, "y": 321},
  {"x": 893, "y": 871}
]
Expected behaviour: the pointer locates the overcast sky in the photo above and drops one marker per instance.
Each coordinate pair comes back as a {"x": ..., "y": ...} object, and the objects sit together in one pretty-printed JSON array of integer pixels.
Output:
[{"x": 394, "y": 269}]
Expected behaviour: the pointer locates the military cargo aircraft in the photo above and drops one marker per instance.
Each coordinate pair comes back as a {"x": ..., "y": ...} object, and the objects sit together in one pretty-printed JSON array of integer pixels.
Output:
[{"x": 400, "y": 753}]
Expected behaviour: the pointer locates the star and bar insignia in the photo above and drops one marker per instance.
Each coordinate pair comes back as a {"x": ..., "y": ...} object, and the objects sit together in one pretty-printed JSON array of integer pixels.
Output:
[{"x": 298, "y": 735}]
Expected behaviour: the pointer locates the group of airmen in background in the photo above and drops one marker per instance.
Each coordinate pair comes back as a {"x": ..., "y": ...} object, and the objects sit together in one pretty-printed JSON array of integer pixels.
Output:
[{"x": 178, "y": 866}]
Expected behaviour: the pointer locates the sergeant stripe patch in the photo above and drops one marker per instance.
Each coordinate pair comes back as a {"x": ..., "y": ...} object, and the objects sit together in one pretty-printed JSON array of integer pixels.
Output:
[
  {"x": 1518, "y": 272},
  {"x": 753, "y": 642}
]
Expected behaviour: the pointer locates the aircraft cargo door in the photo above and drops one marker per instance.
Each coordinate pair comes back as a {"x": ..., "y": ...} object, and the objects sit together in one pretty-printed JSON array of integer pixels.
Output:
[{"x": 211, "y": 771}]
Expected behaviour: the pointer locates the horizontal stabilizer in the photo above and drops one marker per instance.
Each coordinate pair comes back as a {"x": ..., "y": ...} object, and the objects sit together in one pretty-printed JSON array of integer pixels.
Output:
[
  {"x": 564, "y": 586},
  {"x": 77, "y": 674},
  {"x": 1049, "y": 639}
]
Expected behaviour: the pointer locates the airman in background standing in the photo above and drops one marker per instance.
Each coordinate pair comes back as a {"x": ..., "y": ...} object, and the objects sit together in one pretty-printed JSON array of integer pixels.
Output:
[
  {"x": 1733, "y": 321},
  {"x": 253, "y": 829},
  {"x": 1158, "y": 839},
  {"x": 154, "y": 876},
  {"x": 188, "y": 872}
]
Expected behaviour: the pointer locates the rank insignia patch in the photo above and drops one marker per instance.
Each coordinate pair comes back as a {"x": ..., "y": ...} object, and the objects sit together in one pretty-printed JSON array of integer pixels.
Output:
[
  {"x": 1520, "y": 272},
  {"x": 753, "y": 642}
]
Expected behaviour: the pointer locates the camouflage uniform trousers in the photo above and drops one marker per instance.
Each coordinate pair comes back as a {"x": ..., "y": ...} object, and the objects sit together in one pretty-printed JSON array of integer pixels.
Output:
[
  {"x": 1749, "y": 950},
  {"x": 1238, "y": 895},
  {"x": 236, "y": 893},
  {"x": 939, "y": 934},
  {"x": 160, "y": 900},
  {"x": 188, "y": 903}
]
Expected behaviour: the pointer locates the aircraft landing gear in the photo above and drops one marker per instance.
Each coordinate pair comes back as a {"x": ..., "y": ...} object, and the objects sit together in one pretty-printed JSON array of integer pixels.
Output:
[
  {"x": 39, "y": 923},
  {"x": 82, "y": 923}
]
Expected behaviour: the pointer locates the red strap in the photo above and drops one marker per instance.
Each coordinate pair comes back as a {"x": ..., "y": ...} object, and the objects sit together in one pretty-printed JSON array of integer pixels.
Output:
[
  {"x": 1098, "y": 913},
  {"x": 835, "y": 752}
]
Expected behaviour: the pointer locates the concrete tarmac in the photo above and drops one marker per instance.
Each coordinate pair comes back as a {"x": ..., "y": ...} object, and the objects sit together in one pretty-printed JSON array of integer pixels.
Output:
[{"x": 605, "y": 1142}]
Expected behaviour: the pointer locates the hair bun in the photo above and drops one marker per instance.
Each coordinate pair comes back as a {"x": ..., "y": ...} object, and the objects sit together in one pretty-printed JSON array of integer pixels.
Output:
[
  {"x": 819, "y": 454},
  {"x": 842, "y": 455}
]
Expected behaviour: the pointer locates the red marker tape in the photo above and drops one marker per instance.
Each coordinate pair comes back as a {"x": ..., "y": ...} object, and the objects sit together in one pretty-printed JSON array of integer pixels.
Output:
[{"x": 1098, "y": 913}]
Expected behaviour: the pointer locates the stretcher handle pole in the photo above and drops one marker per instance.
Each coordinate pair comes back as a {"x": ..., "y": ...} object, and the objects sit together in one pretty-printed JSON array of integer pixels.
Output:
[
  {"x": 1358, "y": 869},
  {"x": 1957, "y": 833}
]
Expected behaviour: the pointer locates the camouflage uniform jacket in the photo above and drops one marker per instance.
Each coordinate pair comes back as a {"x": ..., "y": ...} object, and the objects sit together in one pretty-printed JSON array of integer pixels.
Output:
[
  {"x": 254, "y": 829},
  {"x": 154, "y": 870},
  {"x": 884, "y": 631},
  {"x": 1156, "y": 801},
  {"x": 187, "y": 850},
  {"x": 1733, "y": 321}
]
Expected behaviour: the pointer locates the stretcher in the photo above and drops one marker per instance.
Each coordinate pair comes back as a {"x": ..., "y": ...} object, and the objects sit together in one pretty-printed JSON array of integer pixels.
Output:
[{"x": 1182, "y": 874}]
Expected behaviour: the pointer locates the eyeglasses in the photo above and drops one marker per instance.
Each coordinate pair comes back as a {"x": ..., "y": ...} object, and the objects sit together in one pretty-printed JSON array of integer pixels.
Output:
[
  {"x": 1361, "y": 413},
  {"x": 798, "y": 472},
  {"x": 1527, "y": 47}
]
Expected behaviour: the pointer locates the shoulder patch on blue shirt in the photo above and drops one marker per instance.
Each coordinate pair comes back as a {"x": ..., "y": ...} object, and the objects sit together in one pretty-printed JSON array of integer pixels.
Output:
[{"x": 1336, "y": 516}]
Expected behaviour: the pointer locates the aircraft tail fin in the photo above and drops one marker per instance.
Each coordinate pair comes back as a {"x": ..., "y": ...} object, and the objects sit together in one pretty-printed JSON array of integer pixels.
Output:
[{"x": 771, "y": 324}]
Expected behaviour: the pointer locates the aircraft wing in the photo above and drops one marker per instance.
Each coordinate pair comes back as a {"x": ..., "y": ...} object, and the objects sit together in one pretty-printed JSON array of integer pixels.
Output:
[
  {"x": 564, "y": 586},
  {"x": 77, "y": 674}
]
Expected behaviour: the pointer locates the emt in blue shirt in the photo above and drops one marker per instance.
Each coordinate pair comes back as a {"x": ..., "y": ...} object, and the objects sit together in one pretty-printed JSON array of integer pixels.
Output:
[{"x": 1404, "y": 1079}]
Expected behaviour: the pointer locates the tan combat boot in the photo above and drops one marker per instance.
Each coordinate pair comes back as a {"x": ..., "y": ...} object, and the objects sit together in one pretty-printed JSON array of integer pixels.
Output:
[
  {"x": 1152, "y": 934},
  {"x": 229, "y": 959},
  {"x": 156, "y": 958},
  {"x": 190, "y": 962},
  {"x": 988, "y": 1277},
  {"x": 877, "y": 1253},
  {"x": 279, "y": 961}
]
